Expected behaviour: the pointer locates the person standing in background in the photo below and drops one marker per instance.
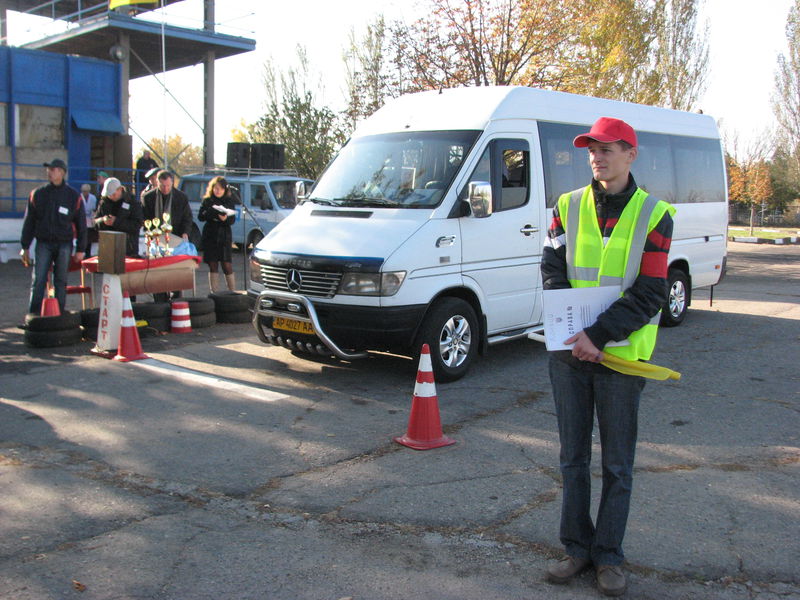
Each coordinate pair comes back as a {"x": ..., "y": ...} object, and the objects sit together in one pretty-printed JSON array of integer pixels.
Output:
[
  {"x": 218, "y": 212},
  {"x": 143, "y": 165},
  {"x": 89, "y": 206}
]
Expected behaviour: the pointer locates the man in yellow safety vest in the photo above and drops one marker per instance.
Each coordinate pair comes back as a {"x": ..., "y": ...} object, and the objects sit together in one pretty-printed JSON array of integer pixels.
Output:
[{"x": 609, "y": 233}]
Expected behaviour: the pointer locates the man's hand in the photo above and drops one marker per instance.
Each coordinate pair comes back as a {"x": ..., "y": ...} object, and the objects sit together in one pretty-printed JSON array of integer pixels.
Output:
[
  {"x": 25, "y": 257},
  {"x": 109, "y": 220},
  {"x": 584, "y": 349},
  {"x": 185, "y": 237},
  {"x": 223, "y": 216},
  {"x": 79, "y": 256}
]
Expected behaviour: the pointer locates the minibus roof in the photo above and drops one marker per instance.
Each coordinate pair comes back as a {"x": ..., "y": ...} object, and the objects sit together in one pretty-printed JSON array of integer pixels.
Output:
[{"x": 473, "y": 108}]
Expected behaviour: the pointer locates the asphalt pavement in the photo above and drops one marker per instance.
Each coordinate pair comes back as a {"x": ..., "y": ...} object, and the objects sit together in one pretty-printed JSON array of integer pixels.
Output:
[{"x": 222, "y": 468}]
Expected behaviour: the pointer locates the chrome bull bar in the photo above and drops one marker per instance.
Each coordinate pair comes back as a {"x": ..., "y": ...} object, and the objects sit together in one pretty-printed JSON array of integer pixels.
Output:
[{"x": 259, "y": 310}]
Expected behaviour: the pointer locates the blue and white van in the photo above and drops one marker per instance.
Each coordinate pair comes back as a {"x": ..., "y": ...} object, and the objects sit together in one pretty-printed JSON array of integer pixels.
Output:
[
  {"x": 428, "y": 226},
  {"x": 268, "y": 198}
]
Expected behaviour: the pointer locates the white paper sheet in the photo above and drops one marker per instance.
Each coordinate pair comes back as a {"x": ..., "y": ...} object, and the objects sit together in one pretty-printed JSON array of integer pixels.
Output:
[{"x": 568, "y": 311}]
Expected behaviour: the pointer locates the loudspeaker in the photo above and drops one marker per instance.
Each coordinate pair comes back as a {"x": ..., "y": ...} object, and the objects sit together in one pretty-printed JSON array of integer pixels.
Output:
[
  {"x": 111, "y": 252},
  {"x": 267, "y": 156},
  {"x": 238, "y": 155}
]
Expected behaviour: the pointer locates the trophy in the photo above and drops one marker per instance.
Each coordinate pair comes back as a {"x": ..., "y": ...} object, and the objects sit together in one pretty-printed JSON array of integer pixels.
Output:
[
  {"x": 166, "y": 228},
  {"x": 156, "y": 234},
  {"x": 147, "y": 235}
]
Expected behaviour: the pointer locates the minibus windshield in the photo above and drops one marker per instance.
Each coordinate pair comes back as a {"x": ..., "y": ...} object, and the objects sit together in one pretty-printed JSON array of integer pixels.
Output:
[{"x": 394, "y": 170}]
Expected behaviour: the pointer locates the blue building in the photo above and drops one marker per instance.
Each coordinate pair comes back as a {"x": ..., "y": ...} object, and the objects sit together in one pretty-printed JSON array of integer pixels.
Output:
[{"x": 55, "y": 105}]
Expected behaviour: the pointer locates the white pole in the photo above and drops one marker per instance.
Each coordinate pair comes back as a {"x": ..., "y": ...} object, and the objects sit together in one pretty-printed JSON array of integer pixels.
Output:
[{"x": 164, "y": 80}]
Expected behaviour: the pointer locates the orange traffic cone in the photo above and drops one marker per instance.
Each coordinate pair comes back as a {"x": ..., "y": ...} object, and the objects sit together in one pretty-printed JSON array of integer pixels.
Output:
[
  {"x": 50, "y": 307},
  {"x": 424, "y": 425},
  {"x": 130, "y": 348},
  {"x": 181, "y": 321}
]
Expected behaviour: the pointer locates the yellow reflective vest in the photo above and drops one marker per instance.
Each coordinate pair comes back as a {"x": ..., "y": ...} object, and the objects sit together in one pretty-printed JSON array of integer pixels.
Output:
[{"x": 590, "y": 263}]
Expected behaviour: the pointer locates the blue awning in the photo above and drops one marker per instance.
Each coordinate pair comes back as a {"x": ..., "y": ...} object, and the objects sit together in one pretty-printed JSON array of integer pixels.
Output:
[{"x": 93, "y": 120}]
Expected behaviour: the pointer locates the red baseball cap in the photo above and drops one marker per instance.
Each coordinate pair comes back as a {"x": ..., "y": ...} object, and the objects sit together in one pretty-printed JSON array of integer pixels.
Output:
[{"x": 607, "y": 130}]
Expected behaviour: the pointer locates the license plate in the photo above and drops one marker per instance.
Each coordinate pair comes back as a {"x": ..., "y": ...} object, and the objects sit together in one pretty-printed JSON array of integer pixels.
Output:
[{"x": 292, "y": 325}]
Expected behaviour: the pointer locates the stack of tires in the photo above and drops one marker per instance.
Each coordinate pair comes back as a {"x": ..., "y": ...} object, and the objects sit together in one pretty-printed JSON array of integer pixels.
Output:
[
  {"x": 156, "y": 315},
  {"x": 201, "y": 311},
  {"x": 232, "y": 307},
  {"x": 50, "y": 332}
]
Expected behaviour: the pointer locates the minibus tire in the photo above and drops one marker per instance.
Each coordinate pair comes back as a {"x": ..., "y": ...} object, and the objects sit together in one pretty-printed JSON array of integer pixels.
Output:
[
  {"x": 674, "y": 311},
  {"x": 438, "y": 323}
]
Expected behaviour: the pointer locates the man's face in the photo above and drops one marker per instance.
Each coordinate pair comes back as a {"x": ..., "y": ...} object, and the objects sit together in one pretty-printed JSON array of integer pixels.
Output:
[
  {"x": 610, "y": 162},
  {"x": 55, "y": 175},
  {"x": 116, "y": 195},
  {"x": 165, "y": 185}
]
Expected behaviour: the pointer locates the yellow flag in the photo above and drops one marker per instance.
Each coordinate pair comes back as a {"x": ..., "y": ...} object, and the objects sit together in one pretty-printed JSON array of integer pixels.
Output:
[
  {"x": 112, "y": 4},
  {"x": 641, "y": 369}
]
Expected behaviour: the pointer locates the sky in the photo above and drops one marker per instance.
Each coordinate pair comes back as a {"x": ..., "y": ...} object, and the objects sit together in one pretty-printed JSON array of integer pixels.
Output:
[{"x": 745, "y": 39}]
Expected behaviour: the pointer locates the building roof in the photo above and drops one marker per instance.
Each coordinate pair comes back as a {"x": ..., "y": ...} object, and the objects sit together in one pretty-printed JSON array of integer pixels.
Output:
[
  {"x": 72, "y": 10},
  {"x": 184, "y": 47}
]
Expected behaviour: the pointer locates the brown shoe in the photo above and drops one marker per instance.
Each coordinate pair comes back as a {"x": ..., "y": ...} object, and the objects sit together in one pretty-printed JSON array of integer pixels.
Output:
[
  {"x": 611, "y": 580},
  {"x": 565, "y": 569}
]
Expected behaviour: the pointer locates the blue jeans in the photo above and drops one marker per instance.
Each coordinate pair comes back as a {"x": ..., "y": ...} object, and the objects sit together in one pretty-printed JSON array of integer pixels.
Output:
[
  {"x": 579, "y": 392},
  {"x": 47, "y": 254}
]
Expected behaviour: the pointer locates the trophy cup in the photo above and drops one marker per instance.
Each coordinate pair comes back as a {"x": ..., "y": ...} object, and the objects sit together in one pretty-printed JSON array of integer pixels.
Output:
[
  {"x": 156, "y": 231},
  {"x": 147, "y": 235},
  {"x": 166, "y": 228}
]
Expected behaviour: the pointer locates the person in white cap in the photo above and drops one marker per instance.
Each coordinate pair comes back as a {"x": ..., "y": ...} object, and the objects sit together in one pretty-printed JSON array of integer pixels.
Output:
[
  {"x": 610, "y": 232},
  {"x": 118, "y": 211}
]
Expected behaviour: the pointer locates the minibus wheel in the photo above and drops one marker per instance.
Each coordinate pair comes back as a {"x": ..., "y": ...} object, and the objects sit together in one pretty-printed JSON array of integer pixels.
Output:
[
  {"x": 674, "y": 311},
  {"x": 451, "y": 331}
]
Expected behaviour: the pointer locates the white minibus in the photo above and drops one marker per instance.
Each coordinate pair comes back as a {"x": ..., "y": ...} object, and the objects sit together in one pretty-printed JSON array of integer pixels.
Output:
[{"x": 428, "y": 225}]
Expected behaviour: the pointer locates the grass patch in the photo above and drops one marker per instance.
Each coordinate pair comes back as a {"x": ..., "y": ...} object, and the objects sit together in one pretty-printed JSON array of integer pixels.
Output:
[{"x": 763, "y": 232}]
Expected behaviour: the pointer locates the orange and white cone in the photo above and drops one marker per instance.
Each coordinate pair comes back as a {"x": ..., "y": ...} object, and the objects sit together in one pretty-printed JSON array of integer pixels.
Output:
[
  {"x": 424, "y": 424},
  {"x": 130, "y": 348},
  {"x": 181, "y": 320},
  {"x": 50, "y": 307}
]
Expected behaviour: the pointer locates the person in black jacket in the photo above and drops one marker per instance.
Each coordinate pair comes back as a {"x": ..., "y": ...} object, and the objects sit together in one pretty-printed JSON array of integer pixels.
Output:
[
  {"x": 168, "y": 199},
  {"x": 118, "y": 211},
  {"x": 54, "y": 217},
  {"x": 218, "y": 211}
]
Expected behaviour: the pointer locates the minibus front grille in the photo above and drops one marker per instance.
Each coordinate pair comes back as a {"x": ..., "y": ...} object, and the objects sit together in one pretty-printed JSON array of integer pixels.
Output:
[{"x": 319, "y": 284}]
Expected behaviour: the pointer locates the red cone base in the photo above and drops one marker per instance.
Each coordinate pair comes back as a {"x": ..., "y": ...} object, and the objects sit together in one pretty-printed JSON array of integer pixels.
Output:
[
  {"x": 130, "y": 348},
  {"x": 424, "y": 425},
  {"x": 50, "y": 308}
]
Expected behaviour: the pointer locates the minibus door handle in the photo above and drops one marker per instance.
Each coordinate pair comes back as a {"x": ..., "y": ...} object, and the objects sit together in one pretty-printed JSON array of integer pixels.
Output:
[{"x": 528, "y": 229}]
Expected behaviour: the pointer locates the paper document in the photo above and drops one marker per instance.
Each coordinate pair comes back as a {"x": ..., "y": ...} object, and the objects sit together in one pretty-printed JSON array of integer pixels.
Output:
[
  {"x": 222, "y": 209},
  {"x": 568, "y": 311}
]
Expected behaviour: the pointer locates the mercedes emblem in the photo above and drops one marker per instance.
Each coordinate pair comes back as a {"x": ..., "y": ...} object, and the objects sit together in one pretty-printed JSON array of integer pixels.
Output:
[{"x": 294, "y": 280}]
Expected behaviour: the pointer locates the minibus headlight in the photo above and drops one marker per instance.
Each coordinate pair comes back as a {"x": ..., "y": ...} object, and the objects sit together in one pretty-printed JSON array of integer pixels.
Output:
[{"x": 372, "y": 284}]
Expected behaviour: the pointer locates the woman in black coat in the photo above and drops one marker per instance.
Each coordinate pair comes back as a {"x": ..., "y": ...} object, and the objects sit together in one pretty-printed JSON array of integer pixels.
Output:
[{"x": 218, "y": 211}]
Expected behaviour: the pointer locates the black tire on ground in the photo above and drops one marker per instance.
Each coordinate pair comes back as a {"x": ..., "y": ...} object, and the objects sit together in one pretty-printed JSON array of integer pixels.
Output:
[
  {"x": 67, "y": 320},
  {"x": 90, "y": 317},
  {"x": 197, "y": 305},
  {"x": 451, "y": 331},
  {"x": 252, "y": 240},
  {"x": 674, "y": 311},
  {"x": 157, "y": 323},
  {"x": 53, "y": 339},
  {"x": 90, "y": 333},
  {"x": 148, "y": 310},
  {"x": 201, "y": 321},
  {"x": 230, "y": 302},
  {"x": 242, "y": 316}
]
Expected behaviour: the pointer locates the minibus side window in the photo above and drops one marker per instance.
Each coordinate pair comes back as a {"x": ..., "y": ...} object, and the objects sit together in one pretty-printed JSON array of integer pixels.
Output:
[
  {"x": 654, "y": 168},
  {"x": 699, "y": 162},
  {"x": 259, "y": 198},
  {"x": 506, "y": 165}
]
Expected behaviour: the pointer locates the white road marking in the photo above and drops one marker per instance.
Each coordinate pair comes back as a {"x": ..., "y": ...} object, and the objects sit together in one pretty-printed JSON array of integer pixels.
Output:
[{"x": 239, "y": 389}]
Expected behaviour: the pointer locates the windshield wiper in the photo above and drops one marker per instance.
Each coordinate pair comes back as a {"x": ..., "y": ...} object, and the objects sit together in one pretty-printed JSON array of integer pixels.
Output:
[
  {"x": 368, "y": 202},
  {"x": 324, "y": 201}
]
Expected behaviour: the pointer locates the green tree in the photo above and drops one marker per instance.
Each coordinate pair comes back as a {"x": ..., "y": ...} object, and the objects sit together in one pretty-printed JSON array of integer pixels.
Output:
[
  {"x": 786, "y": 100},
  {"x": 294, "y": 117},
  {"x": 183, "y": 157}
]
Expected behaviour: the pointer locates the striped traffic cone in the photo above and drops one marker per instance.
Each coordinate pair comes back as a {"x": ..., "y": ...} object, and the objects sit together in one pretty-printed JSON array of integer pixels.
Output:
[
  {"x": 424, "y": 425},
  {"x": 130, "y": 348},
  {"x": 181, "y": 321}
]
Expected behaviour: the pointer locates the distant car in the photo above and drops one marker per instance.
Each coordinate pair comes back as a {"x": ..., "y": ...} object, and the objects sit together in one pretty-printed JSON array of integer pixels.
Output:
[{"x": 268, "y": 197}]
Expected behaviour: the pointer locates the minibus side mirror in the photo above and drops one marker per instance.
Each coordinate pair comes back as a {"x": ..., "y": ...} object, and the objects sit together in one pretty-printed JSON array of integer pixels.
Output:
[
  {"x": 480, "y": 198},
  {"x": 300, "y": 190}
]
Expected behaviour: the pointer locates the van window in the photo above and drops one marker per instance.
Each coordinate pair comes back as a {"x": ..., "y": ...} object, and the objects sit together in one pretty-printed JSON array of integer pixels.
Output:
[
  {"x": 678, "y": 169},
  {"x": 259, "y": 198},
  {"x": 193, "y": 189},
  {"x": 398, "y": 170},
  {"x": 284, "y": 192},
  {"x": 506, "y": 165}
]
